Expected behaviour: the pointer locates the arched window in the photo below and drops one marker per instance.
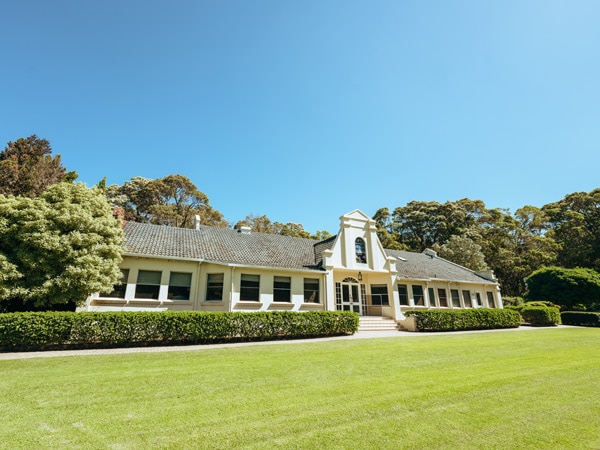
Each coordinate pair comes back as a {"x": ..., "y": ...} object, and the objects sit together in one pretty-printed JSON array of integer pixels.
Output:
[{"x": 359, "y": 250}]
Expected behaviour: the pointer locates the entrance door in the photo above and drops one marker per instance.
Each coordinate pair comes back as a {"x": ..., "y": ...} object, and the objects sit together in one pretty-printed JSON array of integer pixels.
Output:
[{"x": 351, "y": 298}]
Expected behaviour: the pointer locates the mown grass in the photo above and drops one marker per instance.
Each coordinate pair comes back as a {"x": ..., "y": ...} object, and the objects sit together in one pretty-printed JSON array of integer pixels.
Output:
[{"x": 509, "y": 389}]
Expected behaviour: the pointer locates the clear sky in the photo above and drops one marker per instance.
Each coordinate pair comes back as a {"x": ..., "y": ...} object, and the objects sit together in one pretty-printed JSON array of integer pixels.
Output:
[{"x": 306, "y": 110}]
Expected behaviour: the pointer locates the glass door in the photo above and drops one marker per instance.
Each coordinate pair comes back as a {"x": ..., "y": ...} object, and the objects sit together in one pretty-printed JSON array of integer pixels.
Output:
[{"x": 351, "y": 298}]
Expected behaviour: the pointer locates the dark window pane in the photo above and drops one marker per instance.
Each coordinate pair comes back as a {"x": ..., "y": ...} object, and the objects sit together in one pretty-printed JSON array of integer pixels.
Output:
[
  {"x": 455, "y": 298},
  {"x": 311, "y": 290},
  {"x": 418, "y": 296},
  {"x": 442, "y": 297},
  {"x": 431, "y": 297},
  {"x": 379, "y": 295},
  {"x": 214, "y": 287},
  {"x": 148, "y": 284},
  {"x": 250, "y": 288},
  {"x": 467, "y": 299},
  {"x": 179, "y": 286},
  {"x": 282, "y": 289},
  {"x": 360, "y": 249},
  {"x": 490, "y": 298},
  {"x": 403, "y": 294}
]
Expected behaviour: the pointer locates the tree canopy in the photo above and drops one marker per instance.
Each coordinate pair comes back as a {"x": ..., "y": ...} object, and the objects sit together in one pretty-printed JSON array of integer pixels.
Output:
[
  {"x": 574, "y": 223},
  {"x": 57, "y": 248},
  {"x": 469, "y": 234},
  {"x": 173, "y": 200},
  {"x": 27, "y": 167}
]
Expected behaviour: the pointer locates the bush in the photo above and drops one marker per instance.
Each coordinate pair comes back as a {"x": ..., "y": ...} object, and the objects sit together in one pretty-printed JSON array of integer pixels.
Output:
[
  {"x": 55, "y": 330},
  {"x": 577, "y": 288},
  {"x": 541, "y": 316},
  {"x": 582, "y": 319},
  {"x": 465, "y": 319},
  {"x": 512, "y": 301},
  {"x": 543, "y": 303}
]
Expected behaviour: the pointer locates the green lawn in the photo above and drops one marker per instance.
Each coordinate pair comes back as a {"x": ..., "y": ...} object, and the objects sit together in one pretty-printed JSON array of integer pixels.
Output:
[{"x": 508, "y": 389}]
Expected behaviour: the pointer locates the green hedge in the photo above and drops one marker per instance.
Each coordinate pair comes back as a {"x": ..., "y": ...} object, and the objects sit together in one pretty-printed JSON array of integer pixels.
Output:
[
  {"x": 56, "y": 330},
  {"x": 580, "y": 318},
  {"x": 465, "y": 319},
  {"x": 541, "y": 316}
]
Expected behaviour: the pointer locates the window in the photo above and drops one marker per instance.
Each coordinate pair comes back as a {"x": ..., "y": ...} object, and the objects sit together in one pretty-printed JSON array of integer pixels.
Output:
[
  {"x": 443, "y": 298},
  {"x": 179, "y": 286},
  {"x": 431, "y": 297},
  {"x": 148, "y": 284},
  {"x": 282, "y": 289},
  {"x": 455, "y": 298},
  {"x": 214, "y": 287},
  {"x": 311, "y": 290},
  {"x": 118, "y": 290},
  {"x": 478, "y": 298},
  {"x": 467, "y": 299},
  {"x": 403, "y": 294},
  {"x": 490, "y": 299},
  {"x": 379, "y": 295},
  {"x": 418, "y": 296},
  {"x": 360, "y": 250},
  {"x": 249, "y": 288}
]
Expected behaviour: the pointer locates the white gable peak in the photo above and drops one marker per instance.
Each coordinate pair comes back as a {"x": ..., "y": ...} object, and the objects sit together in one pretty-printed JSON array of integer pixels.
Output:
[{"x": 357, "y": 246}]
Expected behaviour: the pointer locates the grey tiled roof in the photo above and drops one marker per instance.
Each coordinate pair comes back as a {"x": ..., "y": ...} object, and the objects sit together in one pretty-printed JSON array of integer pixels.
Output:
[
  {"x": 220, "y": 245},
  {"x": 229, "y": 246},
  {"x": 423, "y": 266}
]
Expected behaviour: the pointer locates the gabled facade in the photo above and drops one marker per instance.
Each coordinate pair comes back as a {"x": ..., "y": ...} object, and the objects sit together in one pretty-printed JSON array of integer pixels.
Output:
[{"x": 216, "y": 269}]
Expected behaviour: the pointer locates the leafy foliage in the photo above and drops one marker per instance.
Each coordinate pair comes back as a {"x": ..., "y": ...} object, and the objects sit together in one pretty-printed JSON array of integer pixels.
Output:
[
  {"x": 262, "y": 224},
  {"x": 465, "y": 319},
  {"x": 572, "y": 289},
  {"x": 27, "y": 167},
  {"x": 574, "y": 223},
  {"x": 469, "y": 234},
  {"x": 541, "y": 316},
  {"x": 56, "y": 248},
  {"x": 35, "y": 331},
  {"x": 464, "y": 251},
  {"x": 173, "y": 200},
  {"x": 580, "y": 318}
]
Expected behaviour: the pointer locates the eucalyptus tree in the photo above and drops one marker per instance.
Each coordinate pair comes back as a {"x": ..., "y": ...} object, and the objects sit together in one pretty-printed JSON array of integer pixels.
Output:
[
  {"x": 574, "y": 223},
  {"x": 173, "y": 200},
  {"x": 27, "y": 167}
]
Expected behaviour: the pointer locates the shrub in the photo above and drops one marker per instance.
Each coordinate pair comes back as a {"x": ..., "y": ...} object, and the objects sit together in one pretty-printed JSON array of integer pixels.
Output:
[
  {"x": 51, "y": 330},
  {"x": 512, "y": 301},
  {"x": 465, "y": 319},
  {"x": 577, "y": 288},
  {"x": 541, "y": 316},
  {"x": 582, "y": 319}
]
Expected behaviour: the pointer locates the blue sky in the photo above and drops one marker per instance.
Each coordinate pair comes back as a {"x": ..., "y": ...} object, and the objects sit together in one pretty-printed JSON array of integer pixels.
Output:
[{"x": 304, "y": 111}]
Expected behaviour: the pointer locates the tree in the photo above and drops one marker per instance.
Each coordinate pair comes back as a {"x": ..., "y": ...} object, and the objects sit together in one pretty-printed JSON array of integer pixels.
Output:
[
  {"x": 27, "y": 167},
  {"x": 574, "y": 223},
  {"x": 57, "y": 248},
  {"x": 173, "y": 200},
  {"x": 577, "y": 288},
  {"x": 463, "y": 251},
  {"x": 384, "y": 224},
  {"x": 291, "y": 229}
]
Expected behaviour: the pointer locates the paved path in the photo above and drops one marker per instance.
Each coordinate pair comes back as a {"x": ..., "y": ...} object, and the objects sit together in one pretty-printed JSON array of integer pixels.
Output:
[{"x": 187, "y": 348}]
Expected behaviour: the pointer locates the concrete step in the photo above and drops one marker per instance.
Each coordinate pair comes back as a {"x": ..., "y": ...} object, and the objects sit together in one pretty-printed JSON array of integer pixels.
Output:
[{"x": 375, "y": 323}]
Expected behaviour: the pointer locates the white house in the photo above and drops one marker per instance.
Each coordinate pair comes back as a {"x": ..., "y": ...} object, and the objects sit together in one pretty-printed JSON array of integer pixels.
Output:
[{"x": 218, "y": 269}]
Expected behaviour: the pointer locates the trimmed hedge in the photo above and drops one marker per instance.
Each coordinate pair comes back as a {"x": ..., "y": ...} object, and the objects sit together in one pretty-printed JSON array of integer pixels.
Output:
[
  {"x": 580, "y": 318},
  {"x": 541, "y": 316},
  {"x": 465, "y": 319},
  {"x": 68, "y": 330}
]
